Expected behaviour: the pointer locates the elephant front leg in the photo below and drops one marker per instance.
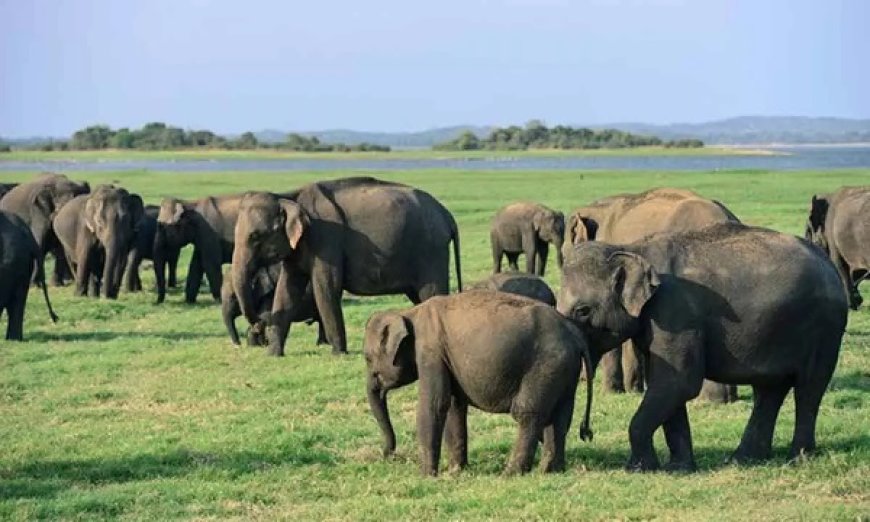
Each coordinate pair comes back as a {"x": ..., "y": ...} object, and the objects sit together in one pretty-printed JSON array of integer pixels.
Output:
[
  {"x": 632, "y": 367},
  {"x": 327, "y": 285},
  {"x": 530, "y": 249},
  {"x": 556, "y": 433},
  {"x": 194, "y": 278},
  {"x": 611, "y": 371},
  {"x": 456, "y": 435},
  {"x": 432, "y": 406}
]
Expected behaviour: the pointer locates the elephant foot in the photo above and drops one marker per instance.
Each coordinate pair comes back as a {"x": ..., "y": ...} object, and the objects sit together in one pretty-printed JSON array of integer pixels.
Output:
[
  {"x": 641, "y": 464},
  {"x": 553, "y": 466},
  {"x": 613, "y": 388},
  {"x": 747, "y": 457},
  {"x": 798, "y": 455},
  {"x": 276, "y": 351},
  {"x": 681, "y": 466},
  {"x": 455, "y": 468},
  {"x": 338, "y": 352},
  {"x": 855, "y": 301}
]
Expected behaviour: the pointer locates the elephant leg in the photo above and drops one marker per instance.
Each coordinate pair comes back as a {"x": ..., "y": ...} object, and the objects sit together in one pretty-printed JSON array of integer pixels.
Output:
[
  {"x": 456, "y": 434},
  {"x": 632, "y": 367},
  {"x": 173, "y": 267},
  {"x": 512, "y": 261},
  {"x": 282, "y": 314},
  {"x": 718, "y": 393},
  {"x": 214, "y": 276},
  {"x": 321, "y": 334},
  {"x": 497, "y": 253},
  {"x": 808, "y": 392},
  {"x": 62, "y": 272},
  {"x": 83, "y": 270},
  {"x": 194, "y": 278},
  {"x": 132, "y": 272},
  {"x": 530, "y": 249},
  {"x": 611, "y": 371},
  {"x": 757, "y": 438},
  {"x": 845, "y": 273},
  {"x": 555, "y": 434},
  {"x": 15, "y": 312},
  {"x": 543, "y": 251},
  {"x": 678, "y": 436},
  {"x": 528, "y": 435},
  {"x": 432, "y": 407},
  {"x": 327, "y": 285}
]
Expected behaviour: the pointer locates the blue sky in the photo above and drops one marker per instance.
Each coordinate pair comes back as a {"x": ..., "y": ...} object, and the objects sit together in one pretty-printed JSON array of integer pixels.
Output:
[{"x": 232, "y": 66}]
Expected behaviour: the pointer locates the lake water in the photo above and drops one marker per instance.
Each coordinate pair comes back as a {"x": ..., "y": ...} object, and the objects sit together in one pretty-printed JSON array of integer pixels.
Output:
[{"x": 796, "y": 158}]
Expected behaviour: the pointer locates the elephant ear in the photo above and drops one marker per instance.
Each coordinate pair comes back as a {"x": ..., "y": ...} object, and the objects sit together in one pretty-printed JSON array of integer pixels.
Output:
[
  {"x": 394, "y": 331},
  {"x": 295, "y": 221},
  {"x": 634, "y": 280},
  {"x": 171, "y": 211},
  {"x": 137, "y": 210},
  {"x": 818, "y": 211},
  {"x": 92, "y": 218},
  {"x": 581, "y": 228},
  {"x": 43, "y": 199}
]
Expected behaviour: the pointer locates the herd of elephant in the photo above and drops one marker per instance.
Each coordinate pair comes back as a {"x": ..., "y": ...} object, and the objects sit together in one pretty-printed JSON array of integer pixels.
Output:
[{"x": 667, "y": 290}]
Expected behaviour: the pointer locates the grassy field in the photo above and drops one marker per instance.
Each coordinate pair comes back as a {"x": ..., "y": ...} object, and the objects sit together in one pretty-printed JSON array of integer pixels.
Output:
[
  {"x": 130, "y": 410},
  {"x": 267, "y": 154}
]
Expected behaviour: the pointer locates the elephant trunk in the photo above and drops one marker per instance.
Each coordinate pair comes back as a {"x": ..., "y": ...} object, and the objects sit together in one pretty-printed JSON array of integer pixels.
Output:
[
  {"x": 110, "y": 270},
  {"x": 159, "y": 258},
  {"x": 229, "y": 313},
  {"x": 242, "y": 275},
  {"x": 559, "y": 256},
  {"x": 378, "y": 403},
  {"x": 589, "y": 364}
]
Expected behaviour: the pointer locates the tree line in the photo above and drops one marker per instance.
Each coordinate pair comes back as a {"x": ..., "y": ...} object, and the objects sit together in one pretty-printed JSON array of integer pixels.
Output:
[
  {"x": 536, "y": 135},
  {"x": 160, "y": 136}
]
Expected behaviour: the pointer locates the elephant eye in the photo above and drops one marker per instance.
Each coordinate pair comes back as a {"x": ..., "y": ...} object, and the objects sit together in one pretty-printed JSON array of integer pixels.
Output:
[{"x": 582, "y": 311}]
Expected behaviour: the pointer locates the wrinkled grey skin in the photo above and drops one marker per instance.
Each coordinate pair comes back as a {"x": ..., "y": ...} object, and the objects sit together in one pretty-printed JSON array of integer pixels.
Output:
[
  {"x": 839, "y": 223},
  {"x": 20, "y": 257},
  {"x": 737, "y": 304},
  {"x": 625, "y": 218},
  {"x": 526, "y": 228},
  {"x": 37, "y": 202},
  {"x": 208, "y": 224},
  {"x": 6, "y": 187},
  {"x": 498, "y": 352},
  {"x": 363, "y": 235},
  {"x": 97, "y": 231},
  {"x": 520, "y": 283},
  {"x": 143, "y": 248},
  {"x": 263, "y": 293}
]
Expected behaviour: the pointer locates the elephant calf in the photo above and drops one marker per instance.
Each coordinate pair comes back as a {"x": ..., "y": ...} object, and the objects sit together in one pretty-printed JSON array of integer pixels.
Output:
[
  {"x": 520, "y": 283},
  {"x": 526, "y": 228},
  {"x": 499, "y": 352},
  {"x": 263, "y": 293}
]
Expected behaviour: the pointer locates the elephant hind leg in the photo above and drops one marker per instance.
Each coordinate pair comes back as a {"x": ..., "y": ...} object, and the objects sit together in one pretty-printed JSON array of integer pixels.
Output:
[
  {"x": 808, "y": 392},
  {"x": 512, "y": 258},
  {"x": 528, "y": 435},
  {"x": 678, "y": 435},
  {"x": 555, "y": 434},
  {"x": 456, "y": 434},
  {"x": 757, "y": 440}
]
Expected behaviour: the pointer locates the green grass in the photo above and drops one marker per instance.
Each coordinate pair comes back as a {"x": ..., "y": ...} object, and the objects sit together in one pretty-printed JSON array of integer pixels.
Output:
[
  {"x": 126, "y": 409},
  {"x": 267, "y": 154}
]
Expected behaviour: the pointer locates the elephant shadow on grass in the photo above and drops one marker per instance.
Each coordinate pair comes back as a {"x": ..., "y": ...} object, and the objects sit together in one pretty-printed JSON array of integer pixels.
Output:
[
  {"x": 105, "y": 335},
  {"x": 49, "y": 478}
]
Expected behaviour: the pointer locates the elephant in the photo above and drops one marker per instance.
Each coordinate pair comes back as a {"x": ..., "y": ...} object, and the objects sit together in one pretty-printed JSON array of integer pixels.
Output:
[
  {"x": 839, "y": 223},
  {"x": 263, "y": 292},
  {"x": 36, "y": 202},
  {"x": 6, "y": 187},
  {"x": 732, "y": 303},
  {"x": 499, "y": 352},
  {"x": 363, "y": 235},
  {"x": 143, "y": 248},
  {"x": 519, "y": 283},
  {"x": 625, "y": 218},
  {"x": 526, "y": 228},
  {"x": 97, "y": 231},
  {"x": 20, "y": 258},
  {"x": 208, "y": 223}
]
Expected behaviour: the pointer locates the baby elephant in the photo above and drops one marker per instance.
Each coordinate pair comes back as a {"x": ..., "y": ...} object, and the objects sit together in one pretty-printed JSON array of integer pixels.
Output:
[
  {"x": 520, "y": 283},
  {"x": 264, "y": 283},
  {"x": 499, "y": 352}
]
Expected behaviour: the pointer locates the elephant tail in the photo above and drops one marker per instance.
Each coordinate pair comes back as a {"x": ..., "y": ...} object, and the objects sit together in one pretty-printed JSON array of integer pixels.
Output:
[
  {"x": 39, "y": 270},
  {"x": 454, "y": 236}
]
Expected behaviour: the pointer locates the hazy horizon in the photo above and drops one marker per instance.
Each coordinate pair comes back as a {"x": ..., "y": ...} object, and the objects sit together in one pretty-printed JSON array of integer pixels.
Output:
[{"x": 394, "y": 67}]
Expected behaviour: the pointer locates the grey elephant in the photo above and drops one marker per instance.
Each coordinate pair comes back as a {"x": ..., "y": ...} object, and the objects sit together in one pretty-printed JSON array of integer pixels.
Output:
[
  {"x": 732, "y": 303},
  {"x": 526, "y": 228},
  {"x": 143, "y": 248},
  {"x": 519, "y": 283},
  {"x": 839, "y": 223},
  {"x": 263, "y": 293},
  {"x": 97, "y": 231},
  {"x": 498, "y": 352},
  {"x": 36, "y": 202},
  {"x": 363, "y": 235},
  {"x": 20, "y": 258},
  {"x": 625, "y": 218}
]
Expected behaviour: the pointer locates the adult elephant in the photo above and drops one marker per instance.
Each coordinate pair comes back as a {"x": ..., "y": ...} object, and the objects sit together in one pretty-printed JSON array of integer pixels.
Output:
[
  {"x": 363, "y": 235},
  {"x": 208, "y": 224},
  {"x": 36, "y": 202},
  {"x": 526, "y": 228},
  {"x": 20, "y": 258},
  {"x": 732, "y": 303},
  {"x": 625, "y": 218},
  {"x": 96, "y": 231},
  {"x": 840, "y": 224},
  {"x": 143, "y": 248}
]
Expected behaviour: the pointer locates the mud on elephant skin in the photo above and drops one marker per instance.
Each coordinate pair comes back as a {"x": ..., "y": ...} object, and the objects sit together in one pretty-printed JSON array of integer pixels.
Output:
[
  {"x": 839, "y": 223},
  {"x": 526, "y": 228},
  {"x": 361, "y": 235},
  {"x": 737, "y": 304},
  {"x": 498, "y": 352}
]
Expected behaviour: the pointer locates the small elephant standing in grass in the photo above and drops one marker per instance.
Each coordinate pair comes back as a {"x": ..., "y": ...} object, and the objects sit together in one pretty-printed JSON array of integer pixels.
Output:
[
  {"x": 526, "y": 228},
  {"x": 143, "y": 248},
  {"x": 839, "y": 223},
  {"x": 736, "y": 304},
  {"x": 263, "y": 293},
  {"x": 520, "y": 283},
  {"x": 20, "y": 258},
  {"x": 499, "y": 352}
]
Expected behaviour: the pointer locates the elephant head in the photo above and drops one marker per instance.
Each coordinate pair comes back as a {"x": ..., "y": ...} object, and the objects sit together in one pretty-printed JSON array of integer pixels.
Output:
[
  {"x": 391, "y": 363},
  {"x": 604, "y": 291},
  {"x": 54, "y": 191},
  {"x": 112, "y": 214},
  {"x": 269, "y": 230},
  {"x": 815, "y": 229},
  {"x": 175, "y": 229},
  {"x": 550, "y": 227}
]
